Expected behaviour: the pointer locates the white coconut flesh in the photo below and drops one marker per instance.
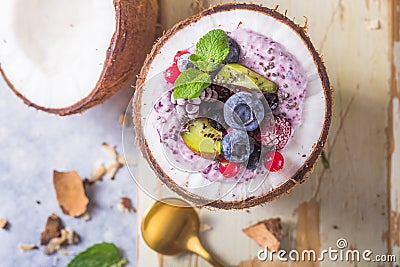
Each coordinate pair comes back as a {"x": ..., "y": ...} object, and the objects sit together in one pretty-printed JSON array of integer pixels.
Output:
[
  {"x": 302, "y": 142},
  {"x": 53, "y": 52}
]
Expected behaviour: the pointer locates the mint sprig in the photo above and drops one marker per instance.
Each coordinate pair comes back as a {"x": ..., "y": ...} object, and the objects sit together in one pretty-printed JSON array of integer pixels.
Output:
[
  {"x": 211, "y": 50},
  {"x": 190, "y": 83},
  {"x": 99, "y": 255}
]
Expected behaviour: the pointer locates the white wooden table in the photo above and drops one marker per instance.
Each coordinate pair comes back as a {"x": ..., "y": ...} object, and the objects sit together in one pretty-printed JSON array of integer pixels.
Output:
[{"x": 358, "y": 197}]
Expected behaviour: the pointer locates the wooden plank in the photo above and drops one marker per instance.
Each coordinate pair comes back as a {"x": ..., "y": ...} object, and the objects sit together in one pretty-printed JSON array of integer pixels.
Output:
[
  {"x": 394, "y": 131},
  {"x": 349, "y": 200}
]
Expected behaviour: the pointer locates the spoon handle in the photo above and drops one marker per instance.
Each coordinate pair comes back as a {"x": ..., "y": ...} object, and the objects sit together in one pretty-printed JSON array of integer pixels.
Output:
[{"x": 194, "y": 245}]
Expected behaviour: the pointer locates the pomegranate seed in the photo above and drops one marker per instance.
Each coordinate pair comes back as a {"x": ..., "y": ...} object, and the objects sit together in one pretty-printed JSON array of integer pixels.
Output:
[
  {"x": 179, "y": 54},
  {"x": 274, "y": 161},
  {"x": 172, "y": 73},
  {"x": 228, "y": 169}
]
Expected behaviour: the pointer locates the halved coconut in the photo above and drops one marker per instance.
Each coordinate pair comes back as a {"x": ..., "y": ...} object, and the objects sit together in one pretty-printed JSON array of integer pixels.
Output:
[
  {"x": 306, "y": 143},
  {"x": 68, "y": 55}
]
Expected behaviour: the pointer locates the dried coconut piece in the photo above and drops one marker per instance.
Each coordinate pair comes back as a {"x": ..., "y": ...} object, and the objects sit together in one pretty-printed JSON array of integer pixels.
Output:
[
  {"x": 53, "y": 228},
  {"x": 267, "y": 233},
  {"x": 112, "y": 169},
  {"x": 86, "y": 217},
  {"x": 125, "y": 205},
  {"x": 72, "y": 237},
  {"x": 112, "y": 150},
  {"x": 55, "y": 243},
  {"x": 70, "y": 193},
  {"x": 119, "y": 160},
  {"x": 29, "y": 247},
  {"x": 68, "y": 237},
  {"x": 97, "y": 174},
  {"x": 3, "y": 223}
]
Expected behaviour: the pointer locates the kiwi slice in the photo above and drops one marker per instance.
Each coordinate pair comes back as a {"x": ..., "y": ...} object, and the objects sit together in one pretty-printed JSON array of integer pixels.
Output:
[
  {"x": 239, "y": 76},
  {"x": 202, "y": 138}
]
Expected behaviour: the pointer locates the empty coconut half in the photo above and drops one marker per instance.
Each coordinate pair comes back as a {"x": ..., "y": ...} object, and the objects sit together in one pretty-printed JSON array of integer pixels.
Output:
[
  {"x": 310, "y": 125},
  {"x": 66, "y": 56}
]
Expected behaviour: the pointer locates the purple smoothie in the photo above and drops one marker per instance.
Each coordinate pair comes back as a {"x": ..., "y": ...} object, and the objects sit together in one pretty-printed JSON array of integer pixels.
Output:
[{"x": 270, "y": 59}]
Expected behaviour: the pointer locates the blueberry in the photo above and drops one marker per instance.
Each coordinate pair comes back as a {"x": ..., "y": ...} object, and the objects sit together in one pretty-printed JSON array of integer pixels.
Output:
[
  {"x": 237, "y": 146},
  {"x": 272, "y": 100},
  {"x": 254, "y": 159},
  {"x": 184, "y": 62},
  {"x": 244, "y": 111},
  {"x": 234, "y": 52}
]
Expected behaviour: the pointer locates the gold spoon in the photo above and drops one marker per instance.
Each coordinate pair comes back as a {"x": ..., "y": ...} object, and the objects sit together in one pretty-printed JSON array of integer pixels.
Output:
[{"x": 171, "y": 226}]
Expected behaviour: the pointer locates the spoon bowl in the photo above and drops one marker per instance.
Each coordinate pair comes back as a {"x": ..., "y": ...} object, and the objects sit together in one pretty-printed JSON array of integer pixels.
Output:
[{"x": 171, "y": 226}]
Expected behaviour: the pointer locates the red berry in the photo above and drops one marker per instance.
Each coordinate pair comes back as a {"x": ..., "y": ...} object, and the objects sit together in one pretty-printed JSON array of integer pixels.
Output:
[
  {"x": 179, "y": 54},
  {"x": 274, "y": 161},
  {"x": 230, "y": 129},
  {"x": 280, "y": 135},
  {"x": 172, "y": 73},
  {"x": 228, "y": 169}
]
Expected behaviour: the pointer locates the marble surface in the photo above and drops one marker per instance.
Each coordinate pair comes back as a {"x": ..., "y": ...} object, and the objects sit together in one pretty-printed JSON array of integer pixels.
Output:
[{"x": 32, "y": 145}]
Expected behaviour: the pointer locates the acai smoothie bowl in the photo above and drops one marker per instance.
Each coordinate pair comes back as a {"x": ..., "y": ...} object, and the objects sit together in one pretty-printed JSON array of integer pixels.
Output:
[{"x": 233, "y": 106}]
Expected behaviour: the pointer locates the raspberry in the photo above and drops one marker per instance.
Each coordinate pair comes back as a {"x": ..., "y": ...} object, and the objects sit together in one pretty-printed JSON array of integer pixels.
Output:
[
  {"x": 280, "y": 136},
  {"x": 172, "y": 73}
]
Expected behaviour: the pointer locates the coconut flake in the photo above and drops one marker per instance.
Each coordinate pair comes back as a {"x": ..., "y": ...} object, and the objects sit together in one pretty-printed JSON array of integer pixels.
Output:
[
  {"x": 112, "y": 169},
  {"x": 125, "y": 205},
  {"x": 29, "y": 247},
  {"x": 111, "y": 150},
  {"x": 70, "y": 193},
  {"x": 53, "y": 228},
  {"x": 267, "y": 233},
  {"x": 97, "y": 174},
  {"x": 68, "y": 237},
  {"x": 86, "y": 217},
  {"x": 3, "y": 223}
]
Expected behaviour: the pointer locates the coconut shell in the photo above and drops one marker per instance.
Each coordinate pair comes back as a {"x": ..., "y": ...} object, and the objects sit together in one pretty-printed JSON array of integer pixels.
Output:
[
  {"x": 134, "y": 34},
  {"x": 309, "y": 162}
]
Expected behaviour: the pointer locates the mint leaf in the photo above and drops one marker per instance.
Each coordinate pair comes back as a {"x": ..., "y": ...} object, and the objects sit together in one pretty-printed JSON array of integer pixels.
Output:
[
  {"x": 99, "y": 255},
  {"x": 203, "y": 65},
  {"x": 213, "y": 47},
  {"x": 191, "y": 83},
  {"x": 211, "y": 50}
]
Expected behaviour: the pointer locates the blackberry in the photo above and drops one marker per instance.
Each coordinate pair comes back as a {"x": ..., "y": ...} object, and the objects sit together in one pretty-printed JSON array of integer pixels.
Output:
[
  {"x": 216, "y": 125},
  {"x": 272, "y": 100},
  {"x": 254, "y": 159},
  {"x": 223, "y": 92}
]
